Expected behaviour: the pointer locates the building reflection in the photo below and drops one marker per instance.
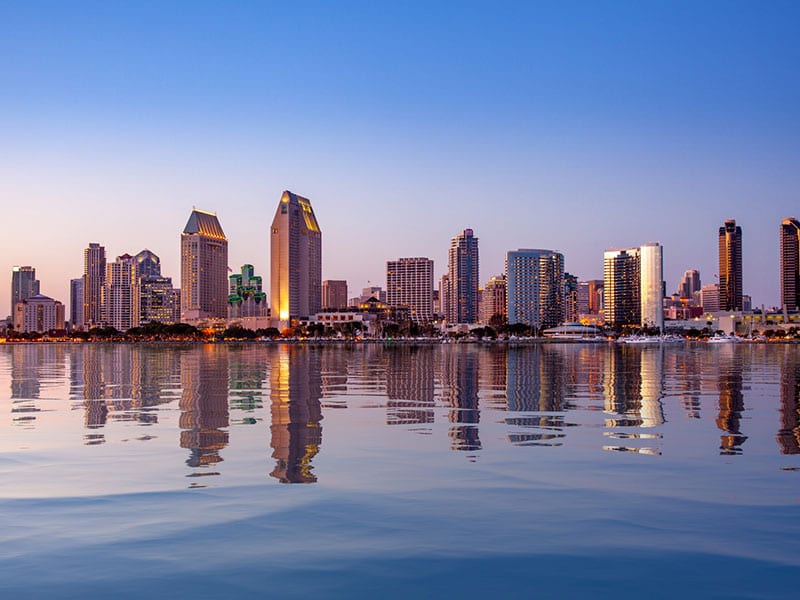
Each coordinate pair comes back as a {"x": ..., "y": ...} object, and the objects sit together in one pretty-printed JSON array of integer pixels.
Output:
[
  {"x": 459, "y": 384},
  {"x": 731, "y": 400},
  {"x": 788, "y": 436},
  {"x": 685, "y": 368},
  {"x": 295, "y": 431},
  {"x": 27, "y": 363},
  {"x": 410, "y": 385},
  {"x": 204, "y": 404},
  {"x": 634, "y": 388},
  {"x": 122, "y": 382},
  {"x": 247, "y": 374}
]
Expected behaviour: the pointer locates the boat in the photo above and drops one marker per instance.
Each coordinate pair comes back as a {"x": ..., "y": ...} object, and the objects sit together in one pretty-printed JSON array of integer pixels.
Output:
[{"x": 723, "y": 338}]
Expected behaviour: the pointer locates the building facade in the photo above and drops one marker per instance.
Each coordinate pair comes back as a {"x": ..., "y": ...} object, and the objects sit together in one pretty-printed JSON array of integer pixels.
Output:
[
  {"x": 76, "y": 303},
  {"x": 535, "y": 287},
  {"x": 463, "y": 273},
  {"x": 690, "y": 283},
  {"x": 493, "y": 299},
  {"x": 94, "y": 283},
  {"x": 730, "y": 266},
  {"x": 409, "y": 283},
  {"x": 334, "y": 294},
  {"x": 204, "y": 268},
  {"x": 790, "y": 263},
  {"x": 621, "y": 287},
  {"x": 570, "y": 298},
  {"x": 23, "y": 284},
  {"x": 246, "y": 297},
  {"x": 121, "y": 296},
  {"x": 651, "y": 274},
  {"x": 38, "y": 314},
  {"x": 159, "y": 302},
  {"x": 295, "y": 260}
]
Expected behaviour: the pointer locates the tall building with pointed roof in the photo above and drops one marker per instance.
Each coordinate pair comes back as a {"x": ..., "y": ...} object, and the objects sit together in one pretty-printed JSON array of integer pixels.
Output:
[
  {"x": 204, "y": 268},
  {"x": 295, "y": 260}
]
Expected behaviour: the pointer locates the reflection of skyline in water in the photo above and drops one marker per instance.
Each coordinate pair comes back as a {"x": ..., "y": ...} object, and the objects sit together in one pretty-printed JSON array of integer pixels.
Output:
[
  {"x": 789, "y": 432},
  {"x": 295, "y": 430},
  {"x": 731, "y": 400},
  {"x": 539, "y": 395},
  {"x": 204, "y": 404}
]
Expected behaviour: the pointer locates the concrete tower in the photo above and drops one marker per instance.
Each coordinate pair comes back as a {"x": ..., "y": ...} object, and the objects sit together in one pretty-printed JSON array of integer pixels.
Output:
[
  {"x": 295, "y": 260},
  {"x": 204, "y": 268}
]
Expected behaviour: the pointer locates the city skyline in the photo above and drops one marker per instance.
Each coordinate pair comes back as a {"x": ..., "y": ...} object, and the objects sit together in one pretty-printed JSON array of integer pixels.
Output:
[{"x": 653, "y": 122}]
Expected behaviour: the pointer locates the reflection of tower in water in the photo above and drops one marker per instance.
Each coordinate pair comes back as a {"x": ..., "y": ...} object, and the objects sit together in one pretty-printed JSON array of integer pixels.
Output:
[
  {"x": 410, "y": 385},
  {"x": 731, "y": 401},
  {"x": 295, "y": 391},
  {"x": 204, "y": 404},
  {"x": 634, "y": 386},
  {"x": 30, "y": 364},
  {"x": 460, "y": 390},
  {"x": 789, "y": 433}
]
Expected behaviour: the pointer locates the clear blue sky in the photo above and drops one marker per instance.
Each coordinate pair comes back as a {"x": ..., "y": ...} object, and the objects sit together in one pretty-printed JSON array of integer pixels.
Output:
[{"x": 576, "y": 126}]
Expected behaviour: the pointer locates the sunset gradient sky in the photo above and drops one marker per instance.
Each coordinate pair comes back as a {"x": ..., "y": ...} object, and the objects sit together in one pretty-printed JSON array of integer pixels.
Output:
[{"x": 576, "y": 126}]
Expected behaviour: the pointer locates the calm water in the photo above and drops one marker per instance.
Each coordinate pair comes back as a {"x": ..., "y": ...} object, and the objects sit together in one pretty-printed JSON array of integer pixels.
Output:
[{"x": 443, "y": 471}]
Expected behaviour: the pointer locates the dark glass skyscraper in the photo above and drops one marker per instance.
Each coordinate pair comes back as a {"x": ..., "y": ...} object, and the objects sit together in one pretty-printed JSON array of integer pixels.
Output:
[
  {"x": 23, "y": 285},
  {"x": 790, "y": 263},
  {"x": 730, "y": 266}
]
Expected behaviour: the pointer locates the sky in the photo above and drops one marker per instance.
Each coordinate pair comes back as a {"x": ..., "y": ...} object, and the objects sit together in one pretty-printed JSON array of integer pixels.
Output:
[{"x": 574, "y": 126}]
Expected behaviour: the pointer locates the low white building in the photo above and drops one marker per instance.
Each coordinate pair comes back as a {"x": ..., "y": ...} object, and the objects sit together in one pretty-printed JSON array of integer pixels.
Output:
[{"x": 39, "y": 314}]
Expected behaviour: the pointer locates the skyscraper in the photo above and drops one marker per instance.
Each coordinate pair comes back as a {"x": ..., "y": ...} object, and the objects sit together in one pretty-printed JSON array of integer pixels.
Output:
[
  {"x": 295, "y": 260},
  {"x": 148, "y": 264},
  {"x": 76, "y": 302},
  {"x": 94, "y": 282},
  {"x": 790, "y": 264},
  {"x": 334, "y": 294},
  {"x": 493, "y": 299},
  {"x": 409, "y": 282},
  {"x": 730, "y": 266},
  {"x": 462, "y": 270},
  {"x": 23, "y": 285},
  {"x": 204, "y": 268},
  {"x": 535, "y": 287},
  {"x": 689, "y": 284},
  {"x": 121, "y": 294},
  {"x": 651, "y": 268},
  {"x": 621, "y": 287},
  {"x": 570, "y": 298}
]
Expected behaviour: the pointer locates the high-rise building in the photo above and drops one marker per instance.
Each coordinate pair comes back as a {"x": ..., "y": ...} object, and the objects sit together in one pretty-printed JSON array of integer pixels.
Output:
[
  {"x": 23, "y": 284},
  {"x": 409, "y": 283},
  {"x": 493, "y": 299},
  {"x": 334, "y": 294},
  {"x": 651, "y": 269},
  {"x": 535, "y": 287},
  {"x": 76, "y": 302},
  {"x": 570, "y": 298},
  {"x": 621, "y": 287},
  {"x": 246, "y": 297},
  {"x": 730, "y": 266},
  {"x": 708, "y": 297},
  {"x": 444, "y": 295},
  {"x": 689, "y": 284},
  {"x": 590, "y": 297},
  {"x": 790, "y": 264},
  {"x": 121, "y": 294},
  {"x": 38, "y": 313},
  {"x": 204, "y": 268},
  {"x": 463, "y": 273},
  {"x": 147, "y": 264},
  {"x": 94, "y": 283},
  {"x": 295, "y": 260},
  {"x": 159, "y": 302}
]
